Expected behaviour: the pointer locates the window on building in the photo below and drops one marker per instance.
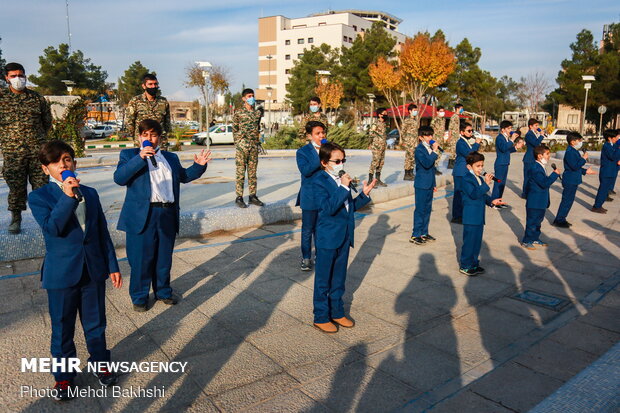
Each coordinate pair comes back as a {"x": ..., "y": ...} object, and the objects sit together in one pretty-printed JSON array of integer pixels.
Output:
[
  {"x": 572, "y": 119},
  {"x": 355, "y": 27},
  {"x": 350, "y": 40},
  {"x": 322, "y": 24},
  {"x": 310, "y": 39},
  {"x": 344, "y": 38},
  {"x": 300, "y": 55},
  {"x": 287, "y": 57},
  {"x": 287, "y": 71},
  {"x": 287, "y": 42},
  {"x": 300, "y": 41}
]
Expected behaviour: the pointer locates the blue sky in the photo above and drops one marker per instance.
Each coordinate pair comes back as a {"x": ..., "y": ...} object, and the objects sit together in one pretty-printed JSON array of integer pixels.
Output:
[{"x": 516, "y": 37}]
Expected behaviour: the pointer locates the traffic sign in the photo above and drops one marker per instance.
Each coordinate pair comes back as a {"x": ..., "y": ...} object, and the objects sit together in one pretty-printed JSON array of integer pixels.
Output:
[{"x": 602, "y": 109}]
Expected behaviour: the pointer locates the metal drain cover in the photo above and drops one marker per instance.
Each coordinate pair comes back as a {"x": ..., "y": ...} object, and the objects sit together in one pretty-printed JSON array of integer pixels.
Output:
[{"x": 542, "y": 300}]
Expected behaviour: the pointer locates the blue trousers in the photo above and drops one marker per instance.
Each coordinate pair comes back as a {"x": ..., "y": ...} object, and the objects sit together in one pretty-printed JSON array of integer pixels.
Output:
[
  {"x": 613, "y": 184},
  {"x": 87, "y": 298},
  {"x": 526, "y": 174},
  {"x": 457, "y": 200},
  {"x": 501, "y": 173},
  {"x": 472, "y": 241},
  {"x": 605, "y": 185},
  {"x": 422, "y": 211},
  {"x": 568, "y": 197},
  {"x": 150, "y": 256},
  {"x": 329, "y": 278},
  {"x": 308, "y": 230},
  {"x": 534, "y": 218}
]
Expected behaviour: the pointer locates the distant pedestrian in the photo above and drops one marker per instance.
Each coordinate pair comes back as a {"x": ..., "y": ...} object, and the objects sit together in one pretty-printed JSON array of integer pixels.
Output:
[
  {"x": 149, "y": 105},
  {"x": 378, "y": 144},
  {"x": 316, "y": 114}
]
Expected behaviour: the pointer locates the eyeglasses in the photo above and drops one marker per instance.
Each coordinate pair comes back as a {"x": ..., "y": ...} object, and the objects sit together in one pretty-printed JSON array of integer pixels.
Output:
[
  {"x": 338, "y": 161},
  {"x": 469, "y": 130}
]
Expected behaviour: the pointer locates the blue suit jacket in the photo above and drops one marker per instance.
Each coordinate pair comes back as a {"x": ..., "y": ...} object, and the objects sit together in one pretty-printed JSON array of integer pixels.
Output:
[
  {"x": 308, "y": 164},
  {"x": 424, "y": 168},
  {"x": 573, "y": 162},
  {"x": 475, "y": 197},
  {"x": 610, "y": 155},
  {"x": 462, "y": 150},
  {"x": 531, "y": 142},
  {"x": 334, "y": 221},
  {"x": 503, "y": 147},
  {"x": 67, "y": 247},
  {"x": 132, "y": 171},
  {"x": 538, "y": 187}
]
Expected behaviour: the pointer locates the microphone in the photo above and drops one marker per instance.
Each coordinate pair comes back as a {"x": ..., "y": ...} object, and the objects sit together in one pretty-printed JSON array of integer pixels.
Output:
[
  {"x": 439, "y": 148},
  {"x": 554, "y": 167},
  {"x": 152, "y": 158},
  {"x": 584, "y": 150},
  {"x": 494, "y": 178},
  {"x": 76, "y": 191},
  {"x": 351, "y": 184}
]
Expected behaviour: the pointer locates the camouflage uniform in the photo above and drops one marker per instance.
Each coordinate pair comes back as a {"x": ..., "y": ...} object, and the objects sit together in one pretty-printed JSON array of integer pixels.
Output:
[
  {"x": 454, "y": 135},
  {"x": 140, "y": 108},
  {"x": 438, "y": 124},
  {"x": 378, "y": 138},
  {"x": 307, "y": 118},
  {"x": 25, "y": 120},
  {"x": 410, "y": 140},
  {"x": 246, "y": 137}
]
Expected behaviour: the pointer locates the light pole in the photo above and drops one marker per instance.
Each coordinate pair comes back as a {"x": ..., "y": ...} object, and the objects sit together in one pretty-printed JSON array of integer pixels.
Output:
[
  {"x": 205, "y": 67},
  {"x": 371, "y": 97},
  {"x": 587, "y": 86},
  {"x": 269, "y": 57},
  {"x": 601, "y": 110}
]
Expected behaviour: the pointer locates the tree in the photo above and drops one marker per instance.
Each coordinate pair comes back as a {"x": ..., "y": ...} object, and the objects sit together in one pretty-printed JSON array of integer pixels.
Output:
[
  {"x": 210, "y": 83},
  {"x": 57, "y": 65},
  {"x": 2, "y": 63},
  {"x": 130, "y": 84},
  {"x": 389, "y": 80},
  {"x": 533, "y": 90}
]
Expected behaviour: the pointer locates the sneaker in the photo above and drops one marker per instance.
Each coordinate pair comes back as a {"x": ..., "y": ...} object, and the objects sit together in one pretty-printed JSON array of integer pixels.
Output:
[
  {"x": 140, "y": 308},
  {"x": 306, "y": 264},
  {"x": 560, "y": 224},
  {"x": 528, "y": 245},
  {"x": 106, "y": 378},
  {"x": 495, "y": 207},
  {"x": 428, "y": 238},
  {"x": 60, "y": 392},
  {"x": 539, "y": 243},
  {"x": 468, "y": 271},
  {"x": 417, "y": 240},
  {"x": 479, "y": 270},
  {"x": 504, "y": 206}
]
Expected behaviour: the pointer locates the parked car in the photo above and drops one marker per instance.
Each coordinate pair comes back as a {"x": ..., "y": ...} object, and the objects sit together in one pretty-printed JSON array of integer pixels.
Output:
[
  {"x": 99, "y": 132},
  {"x": 487, "y": 140},
  {"x": 392, "y": 138},
  {"x": 216, "y": 134},
  {"x": 557, "y": 136}
]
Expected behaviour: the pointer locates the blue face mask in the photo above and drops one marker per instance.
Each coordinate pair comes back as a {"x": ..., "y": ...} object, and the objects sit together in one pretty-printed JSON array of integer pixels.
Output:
[
  {"x": 251, "y": 101},
  {"x": 314, "y": 108},
  {"x": 461, "y": 110}
]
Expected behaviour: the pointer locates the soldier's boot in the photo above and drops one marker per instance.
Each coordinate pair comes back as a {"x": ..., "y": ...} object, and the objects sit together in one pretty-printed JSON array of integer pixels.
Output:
[
  {"x": 253, "y": 199},
  {"x": 16, "y": 223},
  {"x": 438, "y": 172},
  {"x": 408, "y": 175},
  {"x": 240, "y": 203},
  {"x": 370, "y": 178},
  {"x": 379, "y": 182}
]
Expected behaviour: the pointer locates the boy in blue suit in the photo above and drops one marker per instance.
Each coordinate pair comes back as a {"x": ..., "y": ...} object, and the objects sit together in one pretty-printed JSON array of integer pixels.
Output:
[
  {"x": 464, "y": 146},
  {"x": 150, "y": 214},
  {"x": 537, "y": 197},
  {"x": 426, "y": 153},
  {"x": 573, "y": 170},
  {"x": 504, "y": 146},
  {"x": 79, "y": 257},
  {"x": 533, "y": 138},
  {"x": 610, "y": 160},
  {"x": 308, "y": 164},
  {"x": 334, "y": 236},
  {"x": 475, "y": 190}
]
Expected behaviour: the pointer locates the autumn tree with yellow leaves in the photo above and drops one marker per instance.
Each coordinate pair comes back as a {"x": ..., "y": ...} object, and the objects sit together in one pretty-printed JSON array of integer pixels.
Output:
[
  {"x": 329, "y": 91},
  {"x": 388, "y": 78}
]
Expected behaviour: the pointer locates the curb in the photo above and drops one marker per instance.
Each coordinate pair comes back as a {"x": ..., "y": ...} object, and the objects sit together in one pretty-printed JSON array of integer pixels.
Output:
[{"x": 123, "y": 145}]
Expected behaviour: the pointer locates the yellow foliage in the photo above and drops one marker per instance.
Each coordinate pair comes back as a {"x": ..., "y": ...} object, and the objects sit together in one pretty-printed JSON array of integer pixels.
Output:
[
  {"x": 330, "y": 93},
  {"x": 427, "y": 61},
  {"x": 384, "y": 75}
]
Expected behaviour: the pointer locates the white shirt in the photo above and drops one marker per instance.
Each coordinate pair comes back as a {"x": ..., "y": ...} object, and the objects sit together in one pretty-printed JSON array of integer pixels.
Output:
[
  {"x": 428, "y": 147},
  {"x": 467, "y": 141},
  {"x": 337, "y": 179},
  {"x": 476, "y": 176},
  {"x": 80, "y": 210},
  {"x": 161, "y": 179},
  {"x": 544, "y": 167}
]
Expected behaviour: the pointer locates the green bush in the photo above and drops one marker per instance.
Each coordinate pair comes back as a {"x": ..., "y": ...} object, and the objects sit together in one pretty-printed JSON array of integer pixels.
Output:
[
  {"x": 348, "y": 137},
  {"x": 68, "y": 127},
  {"x": 285, "y": 138}
]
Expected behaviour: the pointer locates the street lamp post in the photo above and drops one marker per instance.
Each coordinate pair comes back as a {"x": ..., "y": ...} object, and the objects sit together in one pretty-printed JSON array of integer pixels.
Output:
[
  {"x": 371, "y": 97},
  {"x": 269, "y": 57},
  {"x": 587, "y": 86},
  {"x": 205, "y": 67}
]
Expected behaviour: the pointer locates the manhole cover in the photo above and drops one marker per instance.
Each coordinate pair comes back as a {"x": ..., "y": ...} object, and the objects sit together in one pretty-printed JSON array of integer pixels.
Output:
[{"x": 541, "y": 299}]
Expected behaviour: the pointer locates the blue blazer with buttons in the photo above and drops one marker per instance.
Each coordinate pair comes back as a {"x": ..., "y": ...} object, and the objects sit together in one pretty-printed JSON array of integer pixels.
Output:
[
  {"x": 531, "y": 141},
  {"x": 334, "y": 221},
  {"x": 538, "y": 187},
  {"x": 424, "y": 168},
  {"x": 610, "y": 155},
  {"x": 67, "y": 246},
  {"x": 475, "y": 197},
  {"x": 308, "y": 164},
  {"x": 132, "y": 171},
  {"x": 573, "y": 163},
  {"x": 503, "y": 147},
  {"x": 462, "y": 150}
]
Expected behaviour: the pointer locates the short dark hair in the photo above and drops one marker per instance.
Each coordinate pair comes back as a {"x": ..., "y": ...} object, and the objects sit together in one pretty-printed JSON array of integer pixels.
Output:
[
  {"x": 464, "y": 125},
  {"x": 325, "y": 153},
  {"x": 246, "y": 92},
  {"x": 150, "y": 124},
  {"x": 313, "y": 124},
  {"x": 380, "y": 111},
  {"x": 439, "y": 107},
  {"x": 474, "y": 157},
  {"x": 458, "y": 106},
  {"x": 148, "y": 76},
  {"x": 315, "y": 99},
  {"x": 532, "y": 122},
  {"x": 9, "y": 67},
  {"x": 411, "y": 107},
  {"x": 425, "y": 131},
  {"x": 610, "y": 133},
  {"x": 52, "y": 151},
  {"x": 505, "y": 124},
  {"x": 540, "y": 150},
  {"x": 573, "y": 136}
]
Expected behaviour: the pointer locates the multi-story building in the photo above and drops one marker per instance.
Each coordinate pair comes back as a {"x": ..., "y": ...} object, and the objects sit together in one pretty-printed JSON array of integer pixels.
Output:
[{"x": 282, "y": 40}]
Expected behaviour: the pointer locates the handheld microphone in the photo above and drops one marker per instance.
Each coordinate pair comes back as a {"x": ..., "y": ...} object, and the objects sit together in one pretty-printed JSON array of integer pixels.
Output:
[
  {"x": 584, "y": 150},
  {"x": 76, "y": 191},
  {"x": 554, "y": 167},
  {"x": 351, "y": 184},
  {"x": 439, "y": 148},
  {"x": 152, "y": 158},
  {"x": 494, "y": 178}
]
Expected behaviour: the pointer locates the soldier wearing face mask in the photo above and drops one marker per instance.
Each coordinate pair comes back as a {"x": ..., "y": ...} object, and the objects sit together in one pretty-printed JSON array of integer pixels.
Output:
[
  {"x": 438, "y": 123},
  {"x": 25, "y": 120},
  {"x": 410, "y": 138},
  {"x": 315, "y": 114},
  {"x": 149, "y": 105}
]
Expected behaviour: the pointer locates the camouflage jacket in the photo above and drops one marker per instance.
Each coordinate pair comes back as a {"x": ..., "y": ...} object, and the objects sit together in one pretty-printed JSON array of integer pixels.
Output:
[
  {"x": 378, "y": 135},
  {"x": 246, "y": 127},
  {"x": 140, "y": 108},
  {"x": 455, "y": 122},
  {"x": 410, "y": 129},
  {"x": 307, "y": 118},
  {"x": 25, "y": 120},
  {"x": 439, "y": 127}
]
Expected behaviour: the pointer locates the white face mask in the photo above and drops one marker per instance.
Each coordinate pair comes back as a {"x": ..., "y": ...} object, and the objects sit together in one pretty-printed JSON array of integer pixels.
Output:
[
  {"x": 316, "y": 145},
  {"x": 336, "y": 169},
  {"x": 578, "y": 145},
  {"x": 414, "y": 113},
  {"x": 543, "y": 161},
  {"x": 18, "y": 83},
  {"x": 441, "y": 114}
]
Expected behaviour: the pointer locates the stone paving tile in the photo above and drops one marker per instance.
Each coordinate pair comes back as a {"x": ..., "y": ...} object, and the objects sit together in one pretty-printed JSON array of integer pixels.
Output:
[
  {"x": 468, "y": 401},
  {"x": 603, "y": 317},
  {"x": 586, "y": 337},
  {"x": 293, "y": 401}
]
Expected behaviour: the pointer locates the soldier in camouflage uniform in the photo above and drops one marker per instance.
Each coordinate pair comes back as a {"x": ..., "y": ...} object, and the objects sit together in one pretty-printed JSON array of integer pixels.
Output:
[
  {"x": 410, "y": 139},
  {"x": 454, "y": 134},
  {"x": 149, "y": 105},
  {"x": 438, "y": 123},
  {"x": 25, "y": 120},
  {"x": 246, "y": 122},
  {"x": 378, "y": 138},
  {"x": 315, "y": 114}
]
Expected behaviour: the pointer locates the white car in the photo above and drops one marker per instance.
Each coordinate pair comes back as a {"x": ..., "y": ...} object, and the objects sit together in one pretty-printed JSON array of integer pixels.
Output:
[
  {"x": 216, "y": 134},
  {"x": 557, "y": 136},
  {"x": 487, "y": 140}
]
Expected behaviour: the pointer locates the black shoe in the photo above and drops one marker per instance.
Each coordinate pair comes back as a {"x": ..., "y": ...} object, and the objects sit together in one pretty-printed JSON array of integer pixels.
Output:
[
  {"x": 417, "y": 240},
  {"x": 306, "y": 264},
  {"x": 428, "y": 238},
  {"x": 479, "y": 270},
  {"x": 468, "y": 271},
  {"x": 609, "y": 199},
  {"x": 253, "y": 199},
  {"x": 240, "y": 203},
  {"x": 408, "y": 175},
  {"x": 106, "y": 378},
  {"x": 370, "y": 178},
  {"x": 379, "y": 182},
  {"x": 612, "y": 192},
  {"x": 438, "y": 172},
  {"x": 60, "y": 392},
  {"x": 16, "y": 222},
  {"x": 140, "y": 308},
  {"x": 456, "y": 220},
  {"x": 172, "y": 300},
  {"x": 560, "y": 224}
]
